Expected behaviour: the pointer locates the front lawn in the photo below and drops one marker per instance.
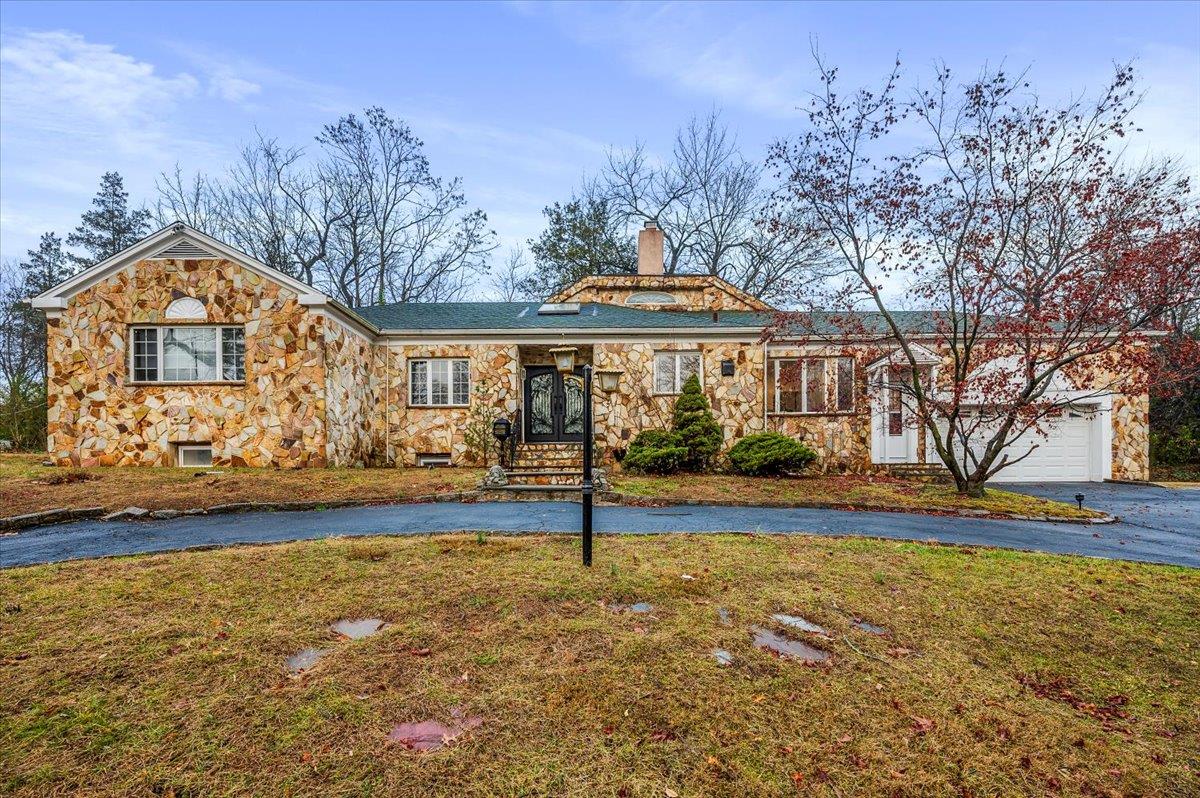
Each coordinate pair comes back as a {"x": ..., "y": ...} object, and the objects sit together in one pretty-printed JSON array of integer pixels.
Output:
[
  {"x": 26, "y": 486},
  {"x": 1003, "y": 673},
  {"x": 860, "y": 492}
]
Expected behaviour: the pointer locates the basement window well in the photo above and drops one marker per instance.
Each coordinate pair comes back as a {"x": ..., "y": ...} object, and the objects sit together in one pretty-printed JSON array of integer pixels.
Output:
[
  {"x": 431, "y": 460},
  {"x": 198, "y": 455}
]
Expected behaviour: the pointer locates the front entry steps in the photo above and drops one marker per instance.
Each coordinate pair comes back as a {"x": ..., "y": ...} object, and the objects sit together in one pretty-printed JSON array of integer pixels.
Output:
[
  {"x": 546, "y": 464},
  {"x": 923, "y": 471},
  {"x": 543, "y": 471}
]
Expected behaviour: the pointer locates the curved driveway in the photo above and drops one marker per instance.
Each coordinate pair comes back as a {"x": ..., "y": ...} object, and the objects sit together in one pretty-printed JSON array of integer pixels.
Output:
[{"x": 1149, "y": 538}]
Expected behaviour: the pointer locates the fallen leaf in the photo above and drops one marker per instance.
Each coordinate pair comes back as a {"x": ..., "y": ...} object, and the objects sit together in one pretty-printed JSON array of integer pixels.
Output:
[
  {"x": 670, "y": 793},
  {"x": 922, "y": 725},
  {"x": 420, "y": 652}
]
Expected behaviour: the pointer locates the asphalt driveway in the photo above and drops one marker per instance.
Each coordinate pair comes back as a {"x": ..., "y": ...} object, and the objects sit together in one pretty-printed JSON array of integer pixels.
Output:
[
  {"x": 1149, "y": 507},
  {"x": 1150, "y": 538}
]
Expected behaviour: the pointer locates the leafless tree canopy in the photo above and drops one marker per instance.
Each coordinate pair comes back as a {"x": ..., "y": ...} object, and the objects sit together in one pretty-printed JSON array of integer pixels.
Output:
[
  {"x": 359, "y": 215},
  {"x": 713, "y": 207}
]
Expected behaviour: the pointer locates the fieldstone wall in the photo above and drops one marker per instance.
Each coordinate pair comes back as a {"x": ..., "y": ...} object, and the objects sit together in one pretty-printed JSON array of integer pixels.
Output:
[
  {"x": 98, "y": 417},
  {"x": 694, "y": 292},
  {"x": 1131, "y": 437},
  {"x": 736, "y": 401},
  {"x": 410, "y": 431},
  {"x": 351, "y": 391},
  {"x": 842, "y": 441}
]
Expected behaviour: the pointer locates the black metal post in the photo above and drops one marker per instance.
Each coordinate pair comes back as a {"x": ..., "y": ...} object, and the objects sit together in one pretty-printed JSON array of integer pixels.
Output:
[{"x": 589, "y": 438}]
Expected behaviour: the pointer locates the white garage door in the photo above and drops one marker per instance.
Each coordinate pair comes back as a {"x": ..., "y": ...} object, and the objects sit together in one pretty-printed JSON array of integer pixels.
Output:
[{"x": 1064, "y": 455}]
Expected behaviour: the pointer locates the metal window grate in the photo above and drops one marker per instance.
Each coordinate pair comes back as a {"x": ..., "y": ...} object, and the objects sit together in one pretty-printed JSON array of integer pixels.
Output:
[{"x": 185, "y": 249}]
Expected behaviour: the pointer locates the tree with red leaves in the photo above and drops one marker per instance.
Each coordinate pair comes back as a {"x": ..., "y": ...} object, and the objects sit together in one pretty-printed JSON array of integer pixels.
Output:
[{"x": 1045, "y": 262}]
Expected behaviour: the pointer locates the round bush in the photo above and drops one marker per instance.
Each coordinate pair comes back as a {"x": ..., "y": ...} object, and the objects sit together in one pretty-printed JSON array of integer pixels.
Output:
[
  {"x": 768, "y": 453},
  {"x": 655, "y": 452}
]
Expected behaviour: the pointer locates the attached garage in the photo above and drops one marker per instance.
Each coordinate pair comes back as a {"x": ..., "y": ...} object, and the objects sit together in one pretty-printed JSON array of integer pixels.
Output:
[{"x": 1069, "y": 450}]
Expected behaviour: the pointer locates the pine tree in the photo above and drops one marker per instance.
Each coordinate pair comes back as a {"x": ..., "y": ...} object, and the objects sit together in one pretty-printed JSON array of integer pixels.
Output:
[
  {"x": 695, "y": 426},
  {"x": 110, "y": 227},
  {"x": 46, "y": 266}
]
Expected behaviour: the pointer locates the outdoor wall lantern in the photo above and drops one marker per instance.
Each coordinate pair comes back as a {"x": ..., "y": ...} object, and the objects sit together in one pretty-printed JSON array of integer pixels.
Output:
[
  {"x": 564, "y": 358},
  {"x": 609, "y": 379},
  {"x": 502, "y": 428},
  {"x": 726, "y": 368}
]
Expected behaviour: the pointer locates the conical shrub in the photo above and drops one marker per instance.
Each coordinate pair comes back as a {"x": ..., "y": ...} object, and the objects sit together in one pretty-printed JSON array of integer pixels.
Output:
[{"x": 695, "y": 427}]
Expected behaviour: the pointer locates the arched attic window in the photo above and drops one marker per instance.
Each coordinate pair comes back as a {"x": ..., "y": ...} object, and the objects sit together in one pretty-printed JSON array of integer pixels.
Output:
[
  {"x": 651, "y": 298},
  {"x": 186, "y": 307}
]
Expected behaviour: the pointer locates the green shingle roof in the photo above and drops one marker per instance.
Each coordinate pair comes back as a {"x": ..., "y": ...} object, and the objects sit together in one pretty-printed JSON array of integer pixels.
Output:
[{"x": 524, "y": 316}]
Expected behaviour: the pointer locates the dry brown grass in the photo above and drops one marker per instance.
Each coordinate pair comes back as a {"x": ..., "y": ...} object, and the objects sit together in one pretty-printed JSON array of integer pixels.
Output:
[
  {"x": 26, "y": 486},
  {"x": 161, "y": 675},
  {"x": 860, "y": 492}
]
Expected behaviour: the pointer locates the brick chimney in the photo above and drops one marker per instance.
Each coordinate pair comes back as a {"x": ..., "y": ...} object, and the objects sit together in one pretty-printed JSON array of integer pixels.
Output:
[{"x": 650, "y": 249}]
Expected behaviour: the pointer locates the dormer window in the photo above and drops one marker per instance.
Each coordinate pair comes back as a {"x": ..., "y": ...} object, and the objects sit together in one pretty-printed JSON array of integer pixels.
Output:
[{"x": 651, "y": 298}]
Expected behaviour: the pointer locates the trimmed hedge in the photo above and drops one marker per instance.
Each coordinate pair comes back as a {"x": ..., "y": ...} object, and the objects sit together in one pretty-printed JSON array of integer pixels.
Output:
[
  {"x": 655, "y": 451},
  {"x": 769, "y": 453}
]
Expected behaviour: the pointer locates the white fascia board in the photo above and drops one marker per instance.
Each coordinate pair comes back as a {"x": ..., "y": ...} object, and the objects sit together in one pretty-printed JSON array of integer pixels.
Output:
[
  {"x": 597, "y": 335},
  {"x": 348, "y": 318},
  {"x": 47, "y": 302}
]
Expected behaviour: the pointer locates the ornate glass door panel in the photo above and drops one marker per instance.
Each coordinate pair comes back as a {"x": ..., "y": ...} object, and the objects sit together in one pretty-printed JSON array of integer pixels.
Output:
[
  {"x": 553, "y": 405},
  {"x": 572, "y": 420},
  {"x": 539, "y": 403}
]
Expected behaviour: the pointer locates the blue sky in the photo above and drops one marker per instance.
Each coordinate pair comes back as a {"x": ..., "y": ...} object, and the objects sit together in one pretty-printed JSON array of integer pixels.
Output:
[{"x": 519, "y": 99}]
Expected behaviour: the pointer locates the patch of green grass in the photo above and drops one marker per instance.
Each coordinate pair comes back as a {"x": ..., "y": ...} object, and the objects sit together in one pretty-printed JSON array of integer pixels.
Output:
[
  {"x": 861, "y": 492},
  {"x": 1005, "y": 673}
]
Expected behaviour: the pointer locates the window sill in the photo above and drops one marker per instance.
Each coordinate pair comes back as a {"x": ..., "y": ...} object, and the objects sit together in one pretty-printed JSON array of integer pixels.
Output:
[
  {"x": 185, "y": 383},
  {"x": 788, "y": 414}
]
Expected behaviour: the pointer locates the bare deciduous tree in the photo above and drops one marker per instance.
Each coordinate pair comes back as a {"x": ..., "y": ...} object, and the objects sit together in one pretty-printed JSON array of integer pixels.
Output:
[
  {"x": 1046, "y": 264},
  {"x": 712, "y": 206},
  {"x": 361, "y": 217}
]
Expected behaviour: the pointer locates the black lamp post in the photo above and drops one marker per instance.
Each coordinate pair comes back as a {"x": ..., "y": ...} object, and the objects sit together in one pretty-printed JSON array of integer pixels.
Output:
[{"x": 588, "y": 444}]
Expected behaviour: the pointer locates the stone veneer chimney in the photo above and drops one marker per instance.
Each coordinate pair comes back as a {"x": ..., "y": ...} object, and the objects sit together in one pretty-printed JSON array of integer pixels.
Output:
[{"x": 650, "y": 249}]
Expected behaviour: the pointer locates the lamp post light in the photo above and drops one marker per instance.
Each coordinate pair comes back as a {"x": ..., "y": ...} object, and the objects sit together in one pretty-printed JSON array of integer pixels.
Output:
[
  {"x": 501, "y": 429},
  {"x": 564, "y": 361}
]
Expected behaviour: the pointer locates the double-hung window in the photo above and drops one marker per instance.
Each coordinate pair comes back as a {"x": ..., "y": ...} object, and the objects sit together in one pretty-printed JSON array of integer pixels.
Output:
[
  {"x": 439, "y": 382},
  {"x": 191, "y": 353},
  {"x": 803, "y": 385},
  {"x": 672, "y": 369}
]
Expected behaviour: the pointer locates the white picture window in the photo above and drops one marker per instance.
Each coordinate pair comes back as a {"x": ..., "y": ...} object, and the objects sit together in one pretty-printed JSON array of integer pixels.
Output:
[
  {"x": 441, "y": 382},
  {"x": 192, "y": 353},
  {"x": 672, "y": 369},
  {"x": 803, "y": 385}
]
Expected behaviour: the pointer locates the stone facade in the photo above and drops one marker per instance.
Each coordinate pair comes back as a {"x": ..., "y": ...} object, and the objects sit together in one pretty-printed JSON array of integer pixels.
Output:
[
  {"x": 1131, "y": 437},
  {"x": 98, "y": 416},
  {"x": 693, "y": 292},
  {"x": 320, "y": 392}
]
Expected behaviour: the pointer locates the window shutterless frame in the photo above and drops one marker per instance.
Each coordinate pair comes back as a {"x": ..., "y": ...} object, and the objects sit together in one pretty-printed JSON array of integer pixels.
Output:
[
  {"x": 836, "y": 401},
  {"x": 675, "y": 371},
  {"x": 194, "y": 456},
  {"x": 147, "y": 356},
  {"x": 439, "y": 382}
]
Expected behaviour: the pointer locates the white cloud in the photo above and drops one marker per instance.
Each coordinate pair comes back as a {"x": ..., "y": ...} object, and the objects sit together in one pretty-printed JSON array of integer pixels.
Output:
[
  {"x": 230, "y": 87},
  {"x": 675, "y": 43},
  {"x": 56, "y": 83}
]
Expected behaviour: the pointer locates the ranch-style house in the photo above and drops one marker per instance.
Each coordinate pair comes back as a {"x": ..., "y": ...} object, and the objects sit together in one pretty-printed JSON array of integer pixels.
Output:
[{"x": 181, "y": 351}]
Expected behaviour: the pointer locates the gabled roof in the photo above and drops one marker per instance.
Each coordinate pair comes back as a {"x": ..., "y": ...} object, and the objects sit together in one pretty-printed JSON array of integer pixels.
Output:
[
  {"x": 660, "y": 282},
  {"x": 180, "y": 241}
]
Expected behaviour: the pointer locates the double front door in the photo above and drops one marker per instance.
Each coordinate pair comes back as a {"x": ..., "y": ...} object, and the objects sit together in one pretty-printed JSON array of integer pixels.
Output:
[{"x": 553, "y": 405}]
